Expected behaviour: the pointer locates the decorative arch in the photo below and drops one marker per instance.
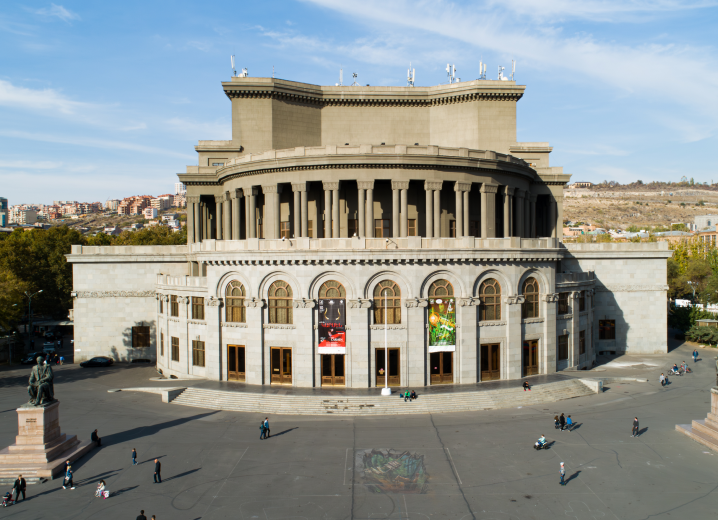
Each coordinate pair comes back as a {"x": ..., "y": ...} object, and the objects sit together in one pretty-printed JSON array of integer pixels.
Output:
[
  {"x": 221, "y": 287},
  {"x": 322, "y": 278},
  {"x": 280, "y": 301},
  {"x": 490, "y": 300},
  {"x": 234, "y": 296},
  {"x": 332, "y": 289},
  {"x": 387, "y": 302},
  {"x": 406, "y": 289},
  {"x": 531, "y": 290},
  {"x": 459, "y": 287},
  {"x": 544, "y": 286},
  {"x": 507, "y": 287},
  {"x": 270, "y": 278}
]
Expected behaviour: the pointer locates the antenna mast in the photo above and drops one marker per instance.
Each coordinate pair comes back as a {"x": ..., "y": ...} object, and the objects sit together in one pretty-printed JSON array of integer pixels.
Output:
[
  {"x": 451, "y": 72},
  {"x": 513, "y": 69},
  {"x": 410, "y": 75},
  {"x": 501, "y": 73},
  {"x": 234, "y": 71},
  {"x": 355, "y": 76}
]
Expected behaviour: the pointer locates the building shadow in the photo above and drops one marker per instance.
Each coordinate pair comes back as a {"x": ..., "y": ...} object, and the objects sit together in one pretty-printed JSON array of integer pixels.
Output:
[
  {"x": 145, "y": 431},
  {"x": 129, "y": 338}
]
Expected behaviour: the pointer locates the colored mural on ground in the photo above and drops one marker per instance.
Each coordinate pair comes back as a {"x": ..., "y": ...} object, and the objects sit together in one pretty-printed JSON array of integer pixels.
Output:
[{"x": 391, "y": 471}]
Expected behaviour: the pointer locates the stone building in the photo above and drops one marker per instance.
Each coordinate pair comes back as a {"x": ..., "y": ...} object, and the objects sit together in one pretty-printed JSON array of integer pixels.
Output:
[{"x": 346, "y": 235}]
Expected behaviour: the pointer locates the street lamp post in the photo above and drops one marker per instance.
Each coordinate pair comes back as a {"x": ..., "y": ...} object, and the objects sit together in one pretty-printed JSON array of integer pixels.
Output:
[
  {"x": 693, "y": 286},
  {"x": 29, "y": 316},
  {"x": 386, "y": 390}
]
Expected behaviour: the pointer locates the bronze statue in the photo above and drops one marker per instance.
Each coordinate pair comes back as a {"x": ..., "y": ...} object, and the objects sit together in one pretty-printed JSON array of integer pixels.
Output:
[{"x": 41, "y": 389}]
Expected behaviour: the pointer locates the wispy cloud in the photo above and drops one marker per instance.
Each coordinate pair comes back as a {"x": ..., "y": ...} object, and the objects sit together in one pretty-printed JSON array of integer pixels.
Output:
[
  {"x": 31, "y": 165},
  {"x": 599, "y": 149},
  {"x": 59, "y": 11},
  {"x": 197, "y": 130},
  {"x": 40, "y": 100}
]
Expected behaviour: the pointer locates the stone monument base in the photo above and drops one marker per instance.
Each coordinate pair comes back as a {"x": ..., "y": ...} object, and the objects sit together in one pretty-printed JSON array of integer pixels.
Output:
[
  {"x": 705, "y": 431},
  {"x": 40, "y": 449}
]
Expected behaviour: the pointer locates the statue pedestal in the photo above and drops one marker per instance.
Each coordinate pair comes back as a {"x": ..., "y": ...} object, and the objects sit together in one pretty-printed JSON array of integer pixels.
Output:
[
  {"x": 40, "y": 450},
  {"x": 704, "y": 431}
]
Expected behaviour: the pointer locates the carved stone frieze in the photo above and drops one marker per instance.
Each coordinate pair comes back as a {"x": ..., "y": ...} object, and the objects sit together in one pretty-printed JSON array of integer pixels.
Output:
[
  {"x": 278, "y": 326},
  {"x": 214, "y": 302},
  {"x": 328, "y": 186},
  {"x": 173, "y": 320},
  {"x": 515, "y": 300},
  {"x": 399, "y": 185},
  {"x": 631, "y": 288},
  {"x": 416, "y": 302},
  {"x": 551, "y": 297},
  {"x": 397, "y": 326},
  {"x": 234, "y": 325},
  {"x": 253, "y": 302},
  {"x": 365, "y": 185},
  {"x": 196, "y": 322},
  {"x": 182, "y": 299},
  {"x": 304, "y": 304},
  {"x": 433, "y": 185},
  {"x": 564, "y": 317},
  {"x": 528, "y": 321},
  {"x": 113, "y": 294},
  {"x": 465, "y": 302},
  {"x": 491, "y": 323},
  {"x": 360, "y": 304},
  {"x": 462, "y": 186}
]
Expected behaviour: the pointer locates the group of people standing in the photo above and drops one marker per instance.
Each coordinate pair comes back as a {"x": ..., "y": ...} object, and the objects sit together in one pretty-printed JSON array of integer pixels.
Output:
[
  {"x": 562, "y": 422},
  {"x": 264, "y": 429}
]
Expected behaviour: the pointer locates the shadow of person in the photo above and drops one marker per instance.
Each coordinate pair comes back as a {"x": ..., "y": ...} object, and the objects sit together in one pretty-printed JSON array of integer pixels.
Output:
[
  {"x": 180, "y": 475},
  {"x": 575, "y": 475},
  {"x": 151, "y": 459},
  {"x": 145, "y": 431},
  {"x": 576, "y": 426},
  {"x": 549, "y": 444},
  {"x": 123, "y": 490},
  {"x": 642, "y": 431},
  {"x": 283, "y": 432}
]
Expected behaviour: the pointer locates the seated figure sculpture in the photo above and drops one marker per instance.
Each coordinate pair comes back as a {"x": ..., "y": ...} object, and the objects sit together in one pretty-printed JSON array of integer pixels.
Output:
[{"x": 41, "y": 389}]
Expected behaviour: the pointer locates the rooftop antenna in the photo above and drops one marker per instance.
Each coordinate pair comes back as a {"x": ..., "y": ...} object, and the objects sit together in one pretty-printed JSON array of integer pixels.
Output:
[
  {"x": 484, "y": 76},
  {"x": 341, "y": 78},
  {"x": 513, "y": 69},
  {"x": 410, "y": 75},
  {"x": 244, "y": 73},
  {"x": 355, "y": 76},
  {"x": 501, "y": 73},
  {"x": 234, "y": 71},
  {"x": 451, "y": 72},
  {"x": 272, "y": 71}
]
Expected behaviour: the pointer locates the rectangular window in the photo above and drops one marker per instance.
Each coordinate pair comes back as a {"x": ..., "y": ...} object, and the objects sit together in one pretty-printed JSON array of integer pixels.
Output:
[
  {"x": 198, "y": 353},
  {"x": 217, "y": 164},
  {"x": 197, "y": 308},
  {"x": 162, "y": 343},
  {"x": 310, "y": 229},
  {"x": 382, "y": 228},
  {"x": 161, "y": 303},
  {"x": 582, "y": 301},
  {"x": 563, "y": 347},
  {"x": 582, "y": 342},
  {"x": 285, "y": 230},
  {"x": 475, "y": 228},
  {"x": 563, "y": 303},
  {"x": 174, "y": 306},
  {"x": 452, "y": 229},
  {"x": 606, "y": 329},
  {"x": 411, "y": 228},
  {"x": 352, "y": 227},
  {"x": 140, "y": 337},
  {"x": 175, "y": 349}
]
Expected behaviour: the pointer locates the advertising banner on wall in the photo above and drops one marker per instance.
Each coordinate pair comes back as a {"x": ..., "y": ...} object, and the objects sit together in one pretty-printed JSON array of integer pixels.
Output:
[
  {"x": 442, "y": 324},
  {"x": 332, "y": 323}
]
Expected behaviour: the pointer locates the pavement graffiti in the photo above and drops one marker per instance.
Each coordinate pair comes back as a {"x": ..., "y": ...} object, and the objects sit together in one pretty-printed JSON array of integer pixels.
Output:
[{"x": 391, "y": 471}]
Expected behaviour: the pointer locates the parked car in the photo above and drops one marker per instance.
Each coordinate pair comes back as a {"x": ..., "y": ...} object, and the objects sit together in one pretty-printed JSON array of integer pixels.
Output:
[
  {"x": 31, "y": 358},
  {"x": 48, "y": 346},
  {"x": 99, "y": 361},
  {"x": 49, "y": 335}
]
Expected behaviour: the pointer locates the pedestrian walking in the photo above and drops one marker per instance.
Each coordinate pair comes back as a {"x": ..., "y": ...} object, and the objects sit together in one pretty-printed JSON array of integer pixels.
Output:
[
  {"x": 142, "y": 515},
  {"x": 662, "y": 379},
  {"x": 266, "y": 427},
  {"x": 134, "y": 457},
  {"x": 562, "y": 422},
  {"x": 527, "y": 386},
  {"x": 569, "y": 423},
  {"x": 19, "y": 487},
  {"x": 556, "y": 423},
  {"x": 158, "y": 468},
  {"x": 68, "y": 478},
  {"x": 262, "y": 431},
  {"x": 634, "y": 431},
  {"x": 695, "y": 355},
  {"x": 562, "y": 472}
]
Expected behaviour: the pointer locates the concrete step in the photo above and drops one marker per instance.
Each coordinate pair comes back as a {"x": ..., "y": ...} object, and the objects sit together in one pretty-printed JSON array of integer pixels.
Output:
[{"x": 698, "y": 436}]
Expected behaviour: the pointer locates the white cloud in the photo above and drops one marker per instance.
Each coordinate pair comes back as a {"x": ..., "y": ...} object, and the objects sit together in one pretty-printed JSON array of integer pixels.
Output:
[
  {"x": 59, "y": 11},
  {"x": 599, "y": 149},
  {"x": 40, "y": 100},
  {"x": 132, "y": 127},
  {"x": 31, "y": 165}
]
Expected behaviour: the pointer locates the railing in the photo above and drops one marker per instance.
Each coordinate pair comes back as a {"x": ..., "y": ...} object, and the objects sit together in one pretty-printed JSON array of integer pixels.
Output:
[
  {"x": 587, "y": 276},
  {"x": 182, "y": 281}
]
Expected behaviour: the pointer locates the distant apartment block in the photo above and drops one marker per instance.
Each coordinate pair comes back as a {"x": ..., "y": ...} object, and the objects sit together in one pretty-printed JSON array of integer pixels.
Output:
[
  {"x": 112, "y": 204},
  {"x": 180, "y": 201},
  {"x": 180, "y": 188},
  {"x": 162, "y": 202},
  {"x": 23, "y": 216},
  {"x": 4, "y": 218},
  {"x": 150, "y": 213}
]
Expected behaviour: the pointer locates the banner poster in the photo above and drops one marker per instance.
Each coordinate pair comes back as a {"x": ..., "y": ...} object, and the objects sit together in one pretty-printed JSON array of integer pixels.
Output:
[
  {"x": 442, "y": 324},
  {"x": 332, "y": 323}
]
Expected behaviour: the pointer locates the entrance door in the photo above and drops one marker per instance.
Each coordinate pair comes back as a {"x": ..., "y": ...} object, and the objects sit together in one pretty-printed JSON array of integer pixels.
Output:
[
  {"x": 530, "y": 358},
  {"x": 281, "y": 365},
  {"x": 490, "y": 362},
  {"x": 394, "y": 374},
  {"x": 333, "y": 369},
  {"x": 235, "y": 363},
  {"x": 441, "y": 369}
]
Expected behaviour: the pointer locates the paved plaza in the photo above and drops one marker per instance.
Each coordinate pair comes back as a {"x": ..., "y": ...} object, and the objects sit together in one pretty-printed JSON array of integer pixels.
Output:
[{"x": 455, "y": 466}]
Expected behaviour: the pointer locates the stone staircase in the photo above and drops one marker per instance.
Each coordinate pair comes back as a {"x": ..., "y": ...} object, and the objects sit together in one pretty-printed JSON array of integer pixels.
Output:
[
  {"x": 378, "y": 405},
  {"x": 705, "y": 430}
]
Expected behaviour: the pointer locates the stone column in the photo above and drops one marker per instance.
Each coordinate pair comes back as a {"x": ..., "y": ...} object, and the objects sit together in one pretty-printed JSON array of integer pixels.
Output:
[
  {"x": 197, "y": 220},
  {"x": 369, "y": 187},
  {"x": 237, "y": 194},
  {"x": 559, "y": 218},
  {"x": 428, "y": 210},
  {"x": 459, "y": 209},
  {"x": 508, "y": 211},
  {"x": 361, "y": 217},
  {"x": 573, "y": 339},
  {"x": 532, "y": 214},
  {"x": 277, "y": 212},
  {"x": 519, "y": 203},
  {"x": 466, "y": 212},
  {"x": 467, "y": 349},
  {"x": 296, "y": 212},
  {"x": 205, "y": 222},
  {"x": 305, "y": 213},
  {"x": 335, "y": 211},
  {"x": 395, "y": 187},
  {"x": 514, "y": 339},
  {"x": 414, "y": 318},
  {"x": 226, "y": 221},
  {"x": 404, "y": 228},
  {"x": 251, "y": 208},
  {"x": 437, "y": 210},
  {"x": 271, "y": 211},
  {"x": 193, "y": 219},
  {"x": 488, "y": 210},
  {"x": 548, "y": 353},
  {"x": 328, "y": 186},
  {"x": 218, "y": 199},
  {"x": 527, "y": 214},
  {"x": 213, "y": 348},
  {"x": 301, "y": 219}
]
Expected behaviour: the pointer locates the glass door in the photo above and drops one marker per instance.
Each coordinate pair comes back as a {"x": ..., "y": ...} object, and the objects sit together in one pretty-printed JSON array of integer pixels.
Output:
[
  {"x": 530, "y": 358},
  {"x": 281, "y": 365},
  {"x": 490, "y": 362},
  {"x": 333, "y": 370},
  {"x": 442, "y": 367},
  {"x": 235, "y": 363},
  {"x": 394, "y": 372}
]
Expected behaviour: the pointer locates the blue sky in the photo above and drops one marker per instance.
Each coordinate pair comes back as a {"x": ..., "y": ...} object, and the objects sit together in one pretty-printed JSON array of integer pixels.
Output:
[{"x": 107, "y": 99}]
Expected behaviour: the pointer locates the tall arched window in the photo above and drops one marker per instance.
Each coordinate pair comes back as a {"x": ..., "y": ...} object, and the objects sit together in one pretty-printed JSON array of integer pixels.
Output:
[
  {"x": 332, "y": 289},
  {"x": 441, "y": 288},
  {"x": 389, "y": 306},
  {"x": 530, "y": 307},
  {"x": 280, "y": 302},
  {"x": 234, "y": 302},
  {"x": 490, "y": 298}
]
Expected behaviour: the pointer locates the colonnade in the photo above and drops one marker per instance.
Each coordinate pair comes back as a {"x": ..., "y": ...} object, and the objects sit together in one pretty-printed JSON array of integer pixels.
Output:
[{"x": 519, "y": 211}]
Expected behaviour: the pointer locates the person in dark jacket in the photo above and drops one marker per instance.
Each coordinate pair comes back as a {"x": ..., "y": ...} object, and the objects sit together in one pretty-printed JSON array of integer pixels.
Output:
[
  {"x": 527, "y": 386},
  {"x": 266, "y": 426},
  {"x": 562, "y": 422},
  {"x": 142, "y": 515},
  {"x": 134, "y": 457},
  {"x": 158, "y": 468},
  {"x": 68, "y": 479},
  {"x": 262, "y": 431},
  {"x": 634, "y": 431},
  {"x": 19, "y": 487},
  {"x": 95, "y": 438}
]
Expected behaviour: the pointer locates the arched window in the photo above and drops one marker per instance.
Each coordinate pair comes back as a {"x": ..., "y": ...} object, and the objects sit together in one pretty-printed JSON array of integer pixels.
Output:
[
  {"x": 332, "y": 289},
  {"x": 490, "y": 297},
  {"x": 530, "y": 307},
  {"x": 280, "y": 302},
  {"x": 234, "y": 302},
  {"x": 441, "y": 288},
  {"x": 389, "y": 306}
]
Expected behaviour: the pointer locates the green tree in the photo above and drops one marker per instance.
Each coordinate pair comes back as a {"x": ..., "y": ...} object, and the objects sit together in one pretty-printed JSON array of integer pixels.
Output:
[{"x": 12, "y": 291}]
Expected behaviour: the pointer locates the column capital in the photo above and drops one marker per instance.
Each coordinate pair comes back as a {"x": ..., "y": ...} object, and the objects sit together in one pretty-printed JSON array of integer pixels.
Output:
[
  {"x": 193, "y": 200},
  {"x": 509, "y": 190},
  {"x": 329, "y": 186},
  {"x": 220, "y": 198},
  {"x": 254, "y": 191},
  {"x": 515, "y": 300},
  {"x": 272, "y": 188},
  {"x": 304, "y": 304},
  {"x": 433, "y": 185},
  {"x": 399, "y": 185},
  {"x": 489, "y": 188},
  {"x": 299, "y": 186},
  {"x": 411, "y": 303},
  {"x": 237, "y": 193},
  {"x": 360, "y": 303},
  {"x": 519, "y": 193},
  {"x": 551, "y": 297},
  {"x": 213, "y": 302},
  {"x": 227, "y": 195},
  {"x": 365, "y": 185},
  {"x": 462, "y": 186}
]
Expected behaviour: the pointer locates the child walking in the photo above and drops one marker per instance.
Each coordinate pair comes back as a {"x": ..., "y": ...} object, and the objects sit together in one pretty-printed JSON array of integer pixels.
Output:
[
  {"x": 134, "y": 457},
  {"x": 562, "y": 471}
]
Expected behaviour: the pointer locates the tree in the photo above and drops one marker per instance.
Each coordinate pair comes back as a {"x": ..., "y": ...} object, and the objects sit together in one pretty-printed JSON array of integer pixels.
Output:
[{"x": 12, "y": 291}]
